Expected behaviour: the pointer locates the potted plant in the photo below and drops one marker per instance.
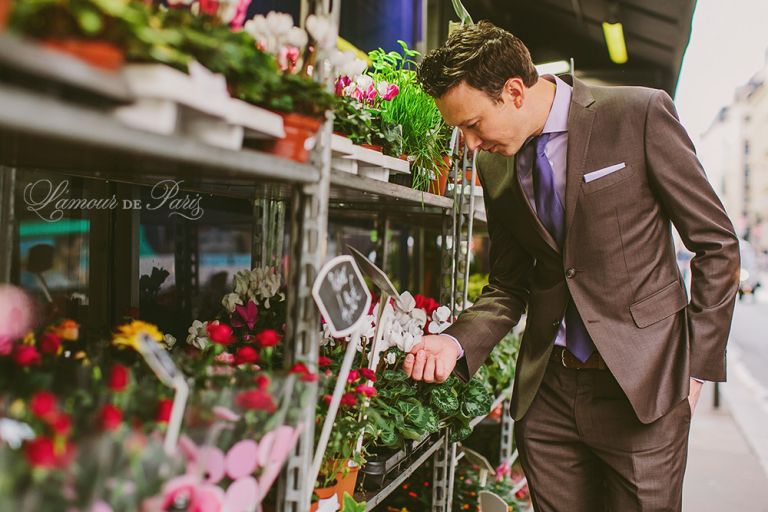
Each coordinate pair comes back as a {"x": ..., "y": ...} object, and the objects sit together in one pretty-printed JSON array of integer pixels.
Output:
[
  {"x": 423, "y": 130},
  {"x": 294, "y": 94}
]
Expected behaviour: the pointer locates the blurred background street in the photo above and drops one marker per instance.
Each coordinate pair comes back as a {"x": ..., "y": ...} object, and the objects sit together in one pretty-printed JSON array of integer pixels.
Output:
[{"x": 728, "y": 455}]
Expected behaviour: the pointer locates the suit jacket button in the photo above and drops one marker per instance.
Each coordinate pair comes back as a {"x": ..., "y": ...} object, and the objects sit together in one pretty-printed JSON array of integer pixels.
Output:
[{"x": 570, "y": 273}]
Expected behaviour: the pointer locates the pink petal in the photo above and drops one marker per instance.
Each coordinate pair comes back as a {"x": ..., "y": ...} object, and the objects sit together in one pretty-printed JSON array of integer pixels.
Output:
[
  {"x": 242, "y": 459},
  {"x": 211, "y": 461},
  {"x": 243, "y": 495}
]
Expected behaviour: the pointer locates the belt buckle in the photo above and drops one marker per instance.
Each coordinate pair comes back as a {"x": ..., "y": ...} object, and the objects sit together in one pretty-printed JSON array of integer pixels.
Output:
[{"x": 562, "y": 360}]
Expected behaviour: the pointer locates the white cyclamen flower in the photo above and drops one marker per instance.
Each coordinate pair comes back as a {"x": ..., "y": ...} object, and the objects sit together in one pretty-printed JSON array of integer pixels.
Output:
[
  {"x": 354, "y": 69},
  {"x": 257, "y": 27},
  {"x": 279, "y": 24},
  {"x": 390, "y": 358},
  {"x": 231, "y": 300},
  {"x": 198, "y": 335},
  {"x": 322, "y": 30},
  {"x": 381, "y": 88},
  {"x": 169, "y": 340},
  {"x": 407, "y": 302},
  {"x": 442, "y": 314},
  {"x": 296, "y": 38}
]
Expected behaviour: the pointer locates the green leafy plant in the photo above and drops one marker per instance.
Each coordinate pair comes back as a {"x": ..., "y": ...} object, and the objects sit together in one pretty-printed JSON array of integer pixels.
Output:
[
  {"x": 424, "y": 134},
  {"x": 134, "y": 27}
]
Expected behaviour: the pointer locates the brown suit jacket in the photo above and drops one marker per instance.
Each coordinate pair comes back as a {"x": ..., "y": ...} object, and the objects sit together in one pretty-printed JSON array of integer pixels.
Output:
[{"x": 618, "y": 262}]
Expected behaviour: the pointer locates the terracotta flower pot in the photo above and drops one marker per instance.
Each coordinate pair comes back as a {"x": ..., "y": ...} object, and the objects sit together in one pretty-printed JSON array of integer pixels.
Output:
[
  {"x": 343, "y": 484},
  {"x": 374, "y": 147},
  {"x": 99, "y": 54},
  {"x": 5, "y": 11},
  {"x": 439, "y": 182},
  {"x": 468, "y": 178},
  {"x": 300, "y": 131}
]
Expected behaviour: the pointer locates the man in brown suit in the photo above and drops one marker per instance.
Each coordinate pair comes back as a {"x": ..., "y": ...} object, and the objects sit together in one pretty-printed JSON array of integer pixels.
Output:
[{"x": 582, "y": 186}]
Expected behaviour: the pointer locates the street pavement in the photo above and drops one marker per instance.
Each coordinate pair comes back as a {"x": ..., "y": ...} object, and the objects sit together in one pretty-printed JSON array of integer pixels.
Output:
[{"x": 728, "y": 451}]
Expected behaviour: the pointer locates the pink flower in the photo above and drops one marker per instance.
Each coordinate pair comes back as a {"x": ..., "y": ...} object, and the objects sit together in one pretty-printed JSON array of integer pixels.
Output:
[
  {"x": 246, "y": 355},
  {"x": 255, "y": 399},
  {"x": 368, "y": 391},
  {"x": 50, "y": 343},
  {"x": 6, "y": 345},
  {"x": 268, "y": 338},
  {"x": 248, "y": 313},
  {"x": 299, "y": 368},
  {"x": 240, "y": 13},
  {"x": 370, "y": 94},
  {"x": 164, "y": 408},
  {"x": 118, "y": 378},
  {"x": 196, "y": 495},
  {"x": 392, "y": 91},
  {"x": 220, "y": 333},
  {"x": 323, "y": 361},
  {"x": 16, "y": 315},
  {"x": 26, "y": 355},
  {"x": 262, "y": 382},
  {"x": 225, "y": 358},
  {"x": 209, "y": 7},
  {"x": 349, "y": 399},
  {"x": 368, "y": 374},
  {"x": 110, "y": 417},
  {"x": 61, "y": 423},
  {"x": 309, "y": 377},
  {"x": 353, "y": 376},
  {"x": 43, "y": 404},
  {"x": 341, "y": 83},
  {"x": 39, "y": 453}
]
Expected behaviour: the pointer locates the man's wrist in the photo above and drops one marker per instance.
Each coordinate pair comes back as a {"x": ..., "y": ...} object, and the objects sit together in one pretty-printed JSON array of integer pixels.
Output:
[{"x": 458, "y": 346}]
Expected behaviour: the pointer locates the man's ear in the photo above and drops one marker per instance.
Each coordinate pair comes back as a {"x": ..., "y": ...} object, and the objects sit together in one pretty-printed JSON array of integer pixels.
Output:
[{"x": 514, "y": 91}]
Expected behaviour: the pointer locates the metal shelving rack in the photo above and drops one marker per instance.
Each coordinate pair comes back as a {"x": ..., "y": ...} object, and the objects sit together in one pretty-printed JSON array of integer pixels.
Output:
[{"x": 73, "y": 135}]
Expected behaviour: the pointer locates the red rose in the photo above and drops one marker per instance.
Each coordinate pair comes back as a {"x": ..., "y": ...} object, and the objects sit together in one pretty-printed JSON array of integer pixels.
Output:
[
  {"x": 368, "y": 374},
  {"x": 246, "y": 355},
  {"x": 309, "y": 377},
  {"x": 323, "y": 361},
  {"x": 26, "y": 355},
  {"x": 353, "y": 376},
  {"x": 299, "y": 368},
  {"x": 110, "y": 417},
  {"x": 61, "y": 423},
  {"x": 164, "y": 408},
  {"x": 50, "y": 343},
  {"x": 327, "y": 398},
  {"x": 118, "y": 378},
  {"x": 368, "y": 391},
  {"x": 43, "y": 404},
  {"x": 40, "y": 453},
  {"x": 268, "y": 338},
  {"x": 255, "y": 399},
  {"x": 349, "y": 399},
  {"x": 220, "y": 333},
  {"x": 262, "y": 382}
]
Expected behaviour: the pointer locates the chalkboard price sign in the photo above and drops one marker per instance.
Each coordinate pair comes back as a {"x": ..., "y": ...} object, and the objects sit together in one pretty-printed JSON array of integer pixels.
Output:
[{"x": 342, "y": 296}]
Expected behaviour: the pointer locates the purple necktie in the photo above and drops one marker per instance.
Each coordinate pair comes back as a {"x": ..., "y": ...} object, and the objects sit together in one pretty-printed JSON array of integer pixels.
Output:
[{"x": 552, "y": 215}]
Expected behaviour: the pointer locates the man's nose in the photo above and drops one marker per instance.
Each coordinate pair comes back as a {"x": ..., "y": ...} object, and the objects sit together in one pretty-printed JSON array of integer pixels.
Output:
[{"x": 473, "y": 142}]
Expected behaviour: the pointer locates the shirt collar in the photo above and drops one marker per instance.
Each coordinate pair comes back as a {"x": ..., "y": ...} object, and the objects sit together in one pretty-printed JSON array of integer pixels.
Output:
[{"x": 557, "y": 121}]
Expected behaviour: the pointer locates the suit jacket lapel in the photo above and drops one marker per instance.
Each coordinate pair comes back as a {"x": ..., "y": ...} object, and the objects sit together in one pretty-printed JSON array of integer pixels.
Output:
[
  {"x": 540, "y": 229},
  {"x": 580, "y": 119}
]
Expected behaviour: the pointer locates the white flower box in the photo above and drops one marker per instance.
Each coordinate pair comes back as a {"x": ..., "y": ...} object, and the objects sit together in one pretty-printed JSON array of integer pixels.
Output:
[
  {"x": 258, "y": 123},
  {"x": 397, "y": 165}
]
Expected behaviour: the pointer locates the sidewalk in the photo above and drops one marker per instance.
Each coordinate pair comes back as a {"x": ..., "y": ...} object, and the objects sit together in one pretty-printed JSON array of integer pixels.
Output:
[{"x": 725, "y": 473}]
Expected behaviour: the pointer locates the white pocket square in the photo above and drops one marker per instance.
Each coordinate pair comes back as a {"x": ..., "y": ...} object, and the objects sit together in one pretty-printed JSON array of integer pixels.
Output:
[{"x": 605, "y": 171}]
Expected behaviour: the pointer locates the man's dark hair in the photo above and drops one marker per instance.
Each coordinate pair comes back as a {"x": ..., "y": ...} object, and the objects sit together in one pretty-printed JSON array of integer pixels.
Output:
[{"x": 483, "y": 55}]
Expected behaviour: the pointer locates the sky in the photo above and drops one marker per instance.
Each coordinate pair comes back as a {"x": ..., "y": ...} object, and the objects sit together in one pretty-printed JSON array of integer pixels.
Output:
[{"x": 728, "y": 45}]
